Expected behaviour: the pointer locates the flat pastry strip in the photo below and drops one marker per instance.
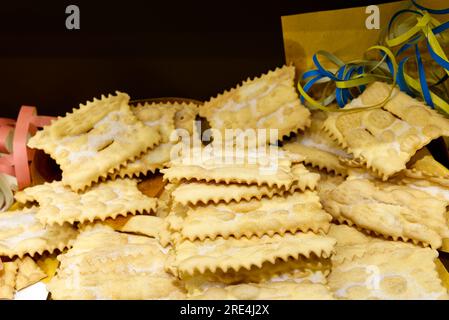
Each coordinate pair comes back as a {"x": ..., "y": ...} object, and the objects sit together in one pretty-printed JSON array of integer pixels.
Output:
[
  {"x": 296, "y": 212},
  {"x": 106, "y": 286},
  {"x": 271, "y": 170},
  {"x": 59, "y": 204},
  {"x": 352, "y": 243},
  {"x": 167, "y": 117},
  {"x": 402, "y": 273},
  {"x": 95, "y": 140},
  {"x": 268, "y": 291},
  {"x": 269, "y": 102},
  {"x": 203, "y": 193},
  {"x": 105, "y": 264},
  {"x": 399, "y": 212},
  {"x": 8, "y": 280},
  {"x": 21, "y": 233},
  {"x": 298, "y": 270},
  {"x": 386, "y": 138},
  {"x": 28, "y": 273},
  {"x": 318, "y": 149},
  {"x": 234, "y": 254},
  {"x": 99, "y": 248}
]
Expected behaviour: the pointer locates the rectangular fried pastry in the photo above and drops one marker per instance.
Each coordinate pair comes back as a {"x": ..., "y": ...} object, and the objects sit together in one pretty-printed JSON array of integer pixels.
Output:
[
  {"x": 300, "y": 211},
  {"x": 271, "y": 168},
  {"x": 398, "y": 273},
  {"x": 267, "y": 291},
  {"x": 204, "y": 193},
  {"x": 105, "y": 264},
  {"x": 59, "y": 204},
  {"x": 386, "y": 138},
  {"x": 268, "y": 102},
  {"x": 353, "y": 243},
  {"x": 393, "y": 211},
  {"x": 233, "y": 254},
  {"x": 167, "y": 117},
  {"x": 21, "y": 233},
  {"x": 116, "y": 286},
  {"x": 95, "y": 140}
]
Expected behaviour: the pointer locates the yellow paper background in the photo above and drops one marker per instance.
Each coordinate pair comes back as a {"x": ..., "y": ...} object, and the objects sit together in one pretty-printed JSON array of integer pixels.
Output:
[{"x": 341, "y": 32}]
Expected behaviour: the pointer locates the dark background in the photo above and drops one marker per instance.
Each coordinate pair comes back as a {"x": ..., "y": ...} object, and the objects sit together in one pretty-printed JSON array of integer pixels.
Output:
[{"x": 192, "y": 49}]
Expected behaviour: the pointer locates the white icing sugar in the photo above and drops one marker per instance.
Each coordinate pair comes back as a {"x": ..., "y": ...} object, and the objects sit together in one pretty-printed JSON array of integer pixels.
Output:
[
  {"x": 314, "y": 277},
  {"x": 309, "y": 142},
  {"x": 206, "y": 248},
  {"x": 438, "y": 192},
  {"x": 111, "y": 131},
  {"x": 232, "y": 106},
  {"x": 18, "y": 220},
  {"x": 373, "y": 283},
  {"x": 154, "y": 123},
  {"x": 13, "y": 241}
]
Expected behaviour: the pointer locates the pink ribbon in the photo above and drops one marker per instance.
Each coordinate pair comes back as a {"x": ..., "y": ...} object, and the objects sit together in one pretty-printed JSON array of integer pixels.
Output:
[{"x": 16, "y": 162}]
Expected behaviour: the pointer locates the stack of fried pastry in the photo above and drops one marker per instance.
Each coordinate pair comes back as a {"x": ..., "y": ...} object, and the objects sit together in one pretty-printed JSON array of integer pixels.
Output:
[
  {"x": 345, "y": 205},
  {"x": 238, "y": 223},
  {"x": 102, "y": 148},
  {"x": 387, "y": 194}
]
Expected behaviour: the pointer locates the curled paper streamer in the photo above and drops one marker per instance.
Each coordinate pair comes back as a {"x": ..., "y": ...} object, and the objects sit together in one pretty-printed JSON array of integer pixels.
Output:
[
  {"x": 425, "y": 31},
  {"x": 356, "y": 74},
  {"x": 352, "y": 75},
  {"x": 16, "y": 156}
]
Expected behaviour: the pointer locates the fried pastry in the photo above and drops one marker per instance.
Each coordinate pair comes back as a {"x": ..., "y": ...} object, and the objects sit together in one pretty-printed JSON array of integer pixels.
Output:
[
  {"x": 385, "y": 138},
  {"x": 95, "y": 140},
  {"x": 267, "y": 102},
  {"x": 59, "y": 204},
  {"x": 292, "y": 213},
  {"x": 21, "y": 233},
  {"x": 397, "y": 212}
]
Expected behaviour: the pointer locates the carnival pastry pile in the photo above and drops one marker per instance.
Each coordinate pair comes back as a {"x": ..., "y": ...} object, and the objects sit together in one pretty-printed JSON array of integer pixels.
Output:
[{"x": 344, "y": 205}]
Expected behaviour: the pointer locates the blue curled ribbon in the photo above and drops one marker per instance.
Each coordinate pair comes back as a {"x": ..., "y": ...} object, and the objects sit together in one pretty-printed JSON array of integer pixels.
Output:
[{"x": 355, "y": 75}]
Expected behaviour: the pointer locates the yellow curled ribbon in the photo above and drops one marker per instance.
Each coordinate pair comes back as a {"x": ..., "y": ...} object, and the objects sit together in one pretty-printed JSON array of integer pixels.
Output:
[
  {"x": 426, "y": 28},
  {"x": 355, "y": 75}
]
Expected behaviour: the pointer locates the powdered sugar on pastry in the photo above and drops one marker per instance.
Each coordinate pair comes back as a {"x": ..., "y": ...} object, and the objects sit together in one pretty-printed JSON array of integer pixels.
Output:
[
  {"x": 59, "y": 204},
  {"x": 267, "y": 291},
  {"x": 402, "y": 273},
  {"x": 21, "y": 233},
  {"x": 393, "y": 211},
  {"x": 105, "y": 264},
  {"x": 200, "y": 192},
  {"x": 295, "y": 212},
  {"x": 386, "y": 138},
  {"x": 233, "y": 254},
  {"x": 268, "y": 102},
  {"x": 166, "y": 117},
  {"x": 95, "y": 140}
]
